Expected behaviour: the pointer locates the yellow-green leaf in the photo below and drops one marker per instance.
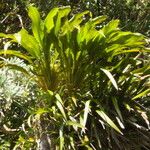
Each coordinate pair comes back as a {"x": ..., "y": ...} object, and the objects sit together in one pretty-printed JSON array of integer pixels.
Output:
[
  {"x": 49, "y": 21},
  {"x": 141, "y": 94},
  {"x": 36, "y": 23},
  {"x": 28, "y": 42},
  {"x": 75, "y": 124},
  {"x": 17, "y": 54}
]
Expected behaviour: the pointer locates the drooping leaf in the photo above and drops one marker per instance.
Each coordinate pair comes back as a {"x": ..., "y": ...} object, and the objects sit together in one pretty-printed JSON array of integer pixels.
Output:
[
  {"x": 127, "y": 39},
  {"x": 111, "y": 26},
  {"x": 16, "y": 53},
  {"x": 49, "y": 20},
  {"x": 110, "y": 76},
  {"x": 61, "y": 18},
  {"x": 126, "y": 51},
  {"x": 75, "y": 21},
  {"x": 10, "y": 36},
  {"x": 28, "y": 42},
  {"x": 108, "y": 120},
  {"x": 18, "y": 68},
  {"x": 97, "y": 20}
]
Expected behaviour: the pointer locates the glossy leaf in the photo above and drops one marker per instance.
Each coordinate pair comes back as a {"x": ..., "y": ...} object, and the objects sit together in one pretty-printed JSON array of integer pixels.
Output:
[
  {"x": 109, "y": 75},
  {"x": 61, "y": 18},
  {"x": 36, "y": 24},
  {"x": 28, "y": 42},
  {"x": 60, "y": 105},
  {"x": 108, "y": 120},
  {"x": 49, "y": 20},
  {"x": 86, "y": 111}
]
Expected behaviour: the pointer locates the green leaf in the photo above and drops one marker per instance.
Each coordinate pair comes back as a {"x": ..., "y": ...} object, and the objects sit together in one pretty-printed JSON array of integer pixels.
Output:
[
  {"x": 109, "y": 75},
  {"x": 97, "y": 136},
  {"x": 50, "y": 93},
  {"x": 86, "y": 111},
  {"x": 87, "y": 29},
  {"x": 141, "y": 70},
  {"x": 127, "y": 39},
  {"x": 59, "y": 104},
  {"x": 41, "y": 111},
  {"x": 117, "y": 108},
  {"x": 97, "y": 20},
  {"x": 18, "y": 68},
  {"x": 141, "y": 94},
  {"x": 28, "y": 42},
  {"x": 16, "y": 53},
  {"x": 10, "y": 36},
  {"x": 111, "y": 26},
  {"x": 75, "y": 21},
  {"x": 72, "y": 142},
  {"x": 108, "y": 120},
  {"x": 36, "y": 24},
  {"x": 89, "y": 34},
  {"x": 75, "y": 124},
  {"x": 21, "y": 139},
  {"x": 146, "y": 49},
  {"x": 127, "y": 106},
  {"x": 49, "y": 20},
  {"x": 62, "y": 17},
  {"x": 126, "y": 51},
  {"x": 118, "y": 36},
  {"x": 61, "y": 137}
]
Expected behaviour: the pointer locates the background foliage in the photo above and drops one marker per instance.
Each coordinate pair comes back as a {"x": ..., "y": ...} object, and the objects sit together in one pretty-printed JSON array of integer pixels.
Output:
[
  {"x": 18, "y": 92},
  {"x": 134, "y": 15}
]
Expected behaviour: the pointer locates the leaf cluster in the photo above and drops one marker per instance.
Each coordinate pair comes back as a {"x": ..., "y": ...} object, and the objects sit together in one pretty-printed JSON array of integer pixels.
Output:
[{"x": 94, "y": 81}]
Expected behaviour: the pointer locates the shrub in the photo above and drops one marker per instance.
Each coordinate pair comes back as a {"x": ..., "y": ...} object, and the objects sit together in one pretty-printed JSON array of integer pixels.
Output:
[
  {"x": 93, "y": 80},
  {"x": 18, "y": 92}
]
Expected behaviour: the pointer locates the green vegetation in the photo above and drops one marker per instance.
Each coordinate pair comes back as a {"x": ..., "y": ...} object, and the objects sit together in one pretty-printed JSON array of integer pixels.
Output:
[
  {"x": 74, "y": 81},
  {"x": 134, "y": 14}
]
